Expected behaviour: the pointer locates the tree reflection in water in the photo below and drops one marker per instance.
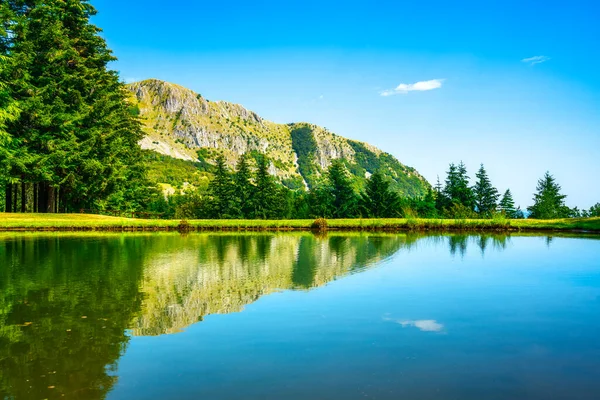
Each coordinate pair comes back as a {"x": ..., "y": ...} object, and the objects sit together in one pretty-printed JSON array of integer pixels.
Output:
[{"x": 69, "y": 302}]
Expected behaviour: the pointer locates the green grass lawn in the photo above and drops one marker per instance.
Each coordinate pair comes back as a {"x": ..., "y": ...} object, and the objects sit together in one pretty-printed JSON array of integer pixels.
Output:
[{"x": 101, "y": 222}]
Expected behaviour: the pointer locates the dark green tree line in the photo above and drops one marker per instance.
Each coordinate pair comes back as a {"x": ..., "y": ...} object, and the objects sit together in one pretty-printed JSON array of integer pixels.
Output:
[
  {"x": 73, "y": 144},
  {"x": 251, "y": 191}
]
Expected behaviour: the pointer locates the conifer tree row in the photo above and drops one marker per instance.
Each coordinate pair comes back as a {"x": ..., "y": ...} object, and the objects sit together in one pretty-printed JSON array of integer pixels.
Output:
[
  {"x": 73, "y": 143},
  {"x": 251, "y": 191}
]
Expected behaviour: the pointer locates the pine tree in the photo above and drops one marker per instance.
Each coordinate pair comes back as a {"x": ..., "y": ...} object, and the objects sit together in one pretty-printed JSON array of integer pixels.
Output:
[
  {"x": 243, "y": 188},
  {"x": 507, "y": 205},
  {"x": 75, "y": 137},
  {"x": 464, "y": 193},
  {"x": 457, "y": 190},
  {"x": 450, "y": 190},
  {"x": 345, "y": 200},
  {"x": 441, "y": 201},
  {"x": 486, "y": 196},
  {"x": 221, "y": 190},
  {"x": 426, "y": 207},
  {"x": 378, "y": 200},
  {"x": 594, "y": 210},
  {"x": 10, "y": 80},
  {"x": 549, "y": 203},
  {"x": 320, "y": 200},
  {"x": 266, "y": 194}
]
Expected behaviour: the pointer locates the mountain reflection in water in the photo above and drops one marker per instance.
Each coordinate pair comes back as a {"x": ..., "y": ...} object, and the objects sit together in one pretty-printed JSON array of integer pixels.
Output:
[{"x": 70, "y": 303}]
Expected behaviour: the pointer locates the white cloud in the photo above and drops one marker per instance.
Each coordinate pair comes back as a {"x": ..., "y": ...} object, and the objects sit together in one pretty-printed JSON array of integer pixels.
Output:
[
  {"x": 535, "y": 60},
  {"x": 131, "y": 80},
  {"x": 425, "y": 325},
  {"x": 421, "y": 86}
]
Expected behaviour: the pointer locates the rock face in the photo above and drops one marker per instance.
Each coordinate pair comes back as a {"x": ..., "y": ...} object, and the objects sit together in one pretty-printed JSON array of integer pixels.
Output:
[{"x": 182, "y": 124}]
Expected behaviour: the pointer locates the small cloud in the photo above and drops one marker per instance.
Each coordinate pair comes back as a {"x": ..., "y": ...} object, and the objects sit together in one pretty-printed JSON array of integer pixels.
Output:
[
  {"x": 425, "y": 325},
  {"x": 421, "y": 86},
  {"x": 131, "y": 80},
  {"x": 535, "y": 60},
  {"x": 321, "y": 97}
]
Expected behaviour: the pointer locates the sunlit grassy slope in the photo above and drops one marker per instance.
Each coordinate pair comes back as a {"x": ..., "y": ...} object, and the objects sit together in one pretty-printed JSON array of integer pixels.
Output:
[{"x": 100, "y": 222}]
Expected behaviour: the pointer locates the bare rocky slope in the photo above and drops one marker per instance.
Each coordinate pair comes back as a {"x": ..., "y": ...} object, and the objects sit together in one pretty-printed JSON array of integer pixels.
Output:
[{"x": 182, "y": 124}]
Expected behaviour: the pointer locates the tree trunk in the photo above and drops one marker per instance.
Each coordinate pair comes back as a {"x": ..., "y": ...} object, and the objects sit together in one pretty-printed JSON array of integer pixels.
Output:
[
  {"x": 35, "y": 198},
  {"x": 42, "y": 197},
  {"x": 61, "y": 201},
  {"x": 51, "y": 201},
  {"x": 15, "y": 197},
  {"x": 23, "y": 197},
  {"x": 57, "y": 200},
  {"x": 8, "y": 198}
]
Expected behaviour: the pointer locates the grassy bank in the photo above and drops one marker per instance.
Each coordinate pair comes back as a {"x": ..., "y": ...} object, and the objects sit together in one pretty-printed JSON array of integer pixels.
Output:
[{"x": 87, "y": 222}]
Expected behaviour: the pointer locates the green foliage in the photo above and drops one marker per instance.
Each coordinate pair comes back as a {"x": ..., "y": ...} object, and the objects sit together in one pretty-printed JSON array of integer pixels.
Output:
[
  {"x": 305, "y": 146},
  {"x": 594, "y": 210},
  {"x": 365, "y": 157},
  {"x": 221, "y": 191},
  {"x": 243, "y": 188},
  {"x": 549, "y": 203},
  {"x": 486, "y": 196},
  {"x": 405, "y": 180},
  {"x": 426, "y": 206},
  {"x": 344, "y": 201},
  {"x": 507, "y": 206},
  {"x": 320, "y": 200},
  {"x": 457, "y": 191},
  {"x": 270, "y": 200},
  {"x": 378, "y": 200},
  {"x": 75, "y": 138},
  {"x": 173, "y": 171}
]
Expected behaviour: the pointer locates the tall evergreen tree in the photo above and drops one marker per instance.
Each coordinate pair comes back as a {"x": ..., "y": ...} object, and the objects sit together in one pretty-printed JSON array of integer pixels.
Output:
[
  {"x": 507, "y": 205},
  {"x": 10, "y": 80},
  {"x": 345, "y": 200},
  {"x": 549, "y": 203},
  {"x": 266, "y": 193},
  {"x": 320, "y": 200},
  {"x": 221, "y": 190},
  {"x": 379, "y": 200},
  {"x": 75, "y": 137},
  {"x": 464, "y": 194},
  {"x": 441, "y": 201},
  {"x": 457, "y": 189},
  {"x": 426, "y": 207},
  {"x": 486, "y": 195},
  {"x": 243, "y": 188}
]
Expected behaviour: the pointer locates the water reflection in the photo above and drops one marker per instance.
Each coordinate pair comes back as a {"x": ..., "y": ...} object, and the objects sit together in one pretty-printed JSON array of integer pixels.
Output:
[
  {"x": 70, "y": 303},
  {"x": 67, "y": 301},
  {"x": 206, "y": 274},
  {"x": 64, "y": 307}
]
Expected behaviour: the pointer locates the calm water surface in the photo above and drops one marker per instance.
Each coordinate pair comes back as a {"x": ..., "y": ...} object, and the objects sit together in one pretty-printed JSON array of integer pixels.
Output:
[{"x": 294, "y": 316}]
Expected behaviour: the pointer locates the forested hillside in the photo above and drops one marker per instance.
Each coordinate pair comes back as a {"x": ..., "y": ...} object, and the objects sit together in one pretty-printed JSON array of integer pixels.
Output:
[{"x": 184, "y": 125}]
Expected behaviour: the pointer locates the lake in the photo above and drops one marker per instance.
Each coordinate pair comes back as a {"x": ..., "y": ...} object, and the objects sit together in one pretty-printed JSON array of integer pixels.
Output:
[{"x": 299, "y": 316}]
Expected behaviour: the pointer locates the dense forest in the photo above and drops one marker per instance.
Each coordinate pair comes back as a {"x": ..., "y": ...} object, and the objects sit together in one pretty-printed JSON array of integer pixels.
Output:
[
  {"x": 69, "y": 143},
  {"x": 68, "y": 139},
  {"x": 250, "y": 191}
]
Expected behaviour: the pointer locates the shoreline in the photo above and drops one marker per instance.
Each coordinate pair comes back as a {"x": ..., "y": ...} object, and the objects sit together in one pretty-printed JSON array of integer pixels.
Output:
[{"x": 100, "y": 223}]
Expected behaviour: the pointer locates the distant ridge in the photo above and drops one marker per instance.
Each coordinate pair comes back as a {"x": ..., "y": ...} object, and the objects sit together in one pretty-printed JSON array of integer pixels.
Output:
[{"x": 182, "y": 124}]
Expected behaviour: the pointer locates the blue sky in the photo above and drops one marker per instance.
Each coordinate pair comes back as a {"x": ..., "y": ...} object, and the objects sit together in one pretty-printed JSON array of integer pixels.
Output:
[{"x": 511, "y": 84}]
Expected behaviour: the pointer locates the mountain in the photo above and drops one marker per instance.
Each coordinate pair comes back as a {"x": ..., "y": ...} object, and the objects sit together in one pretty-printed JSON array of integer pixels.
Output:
[{"x": 184, "y": 125}]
